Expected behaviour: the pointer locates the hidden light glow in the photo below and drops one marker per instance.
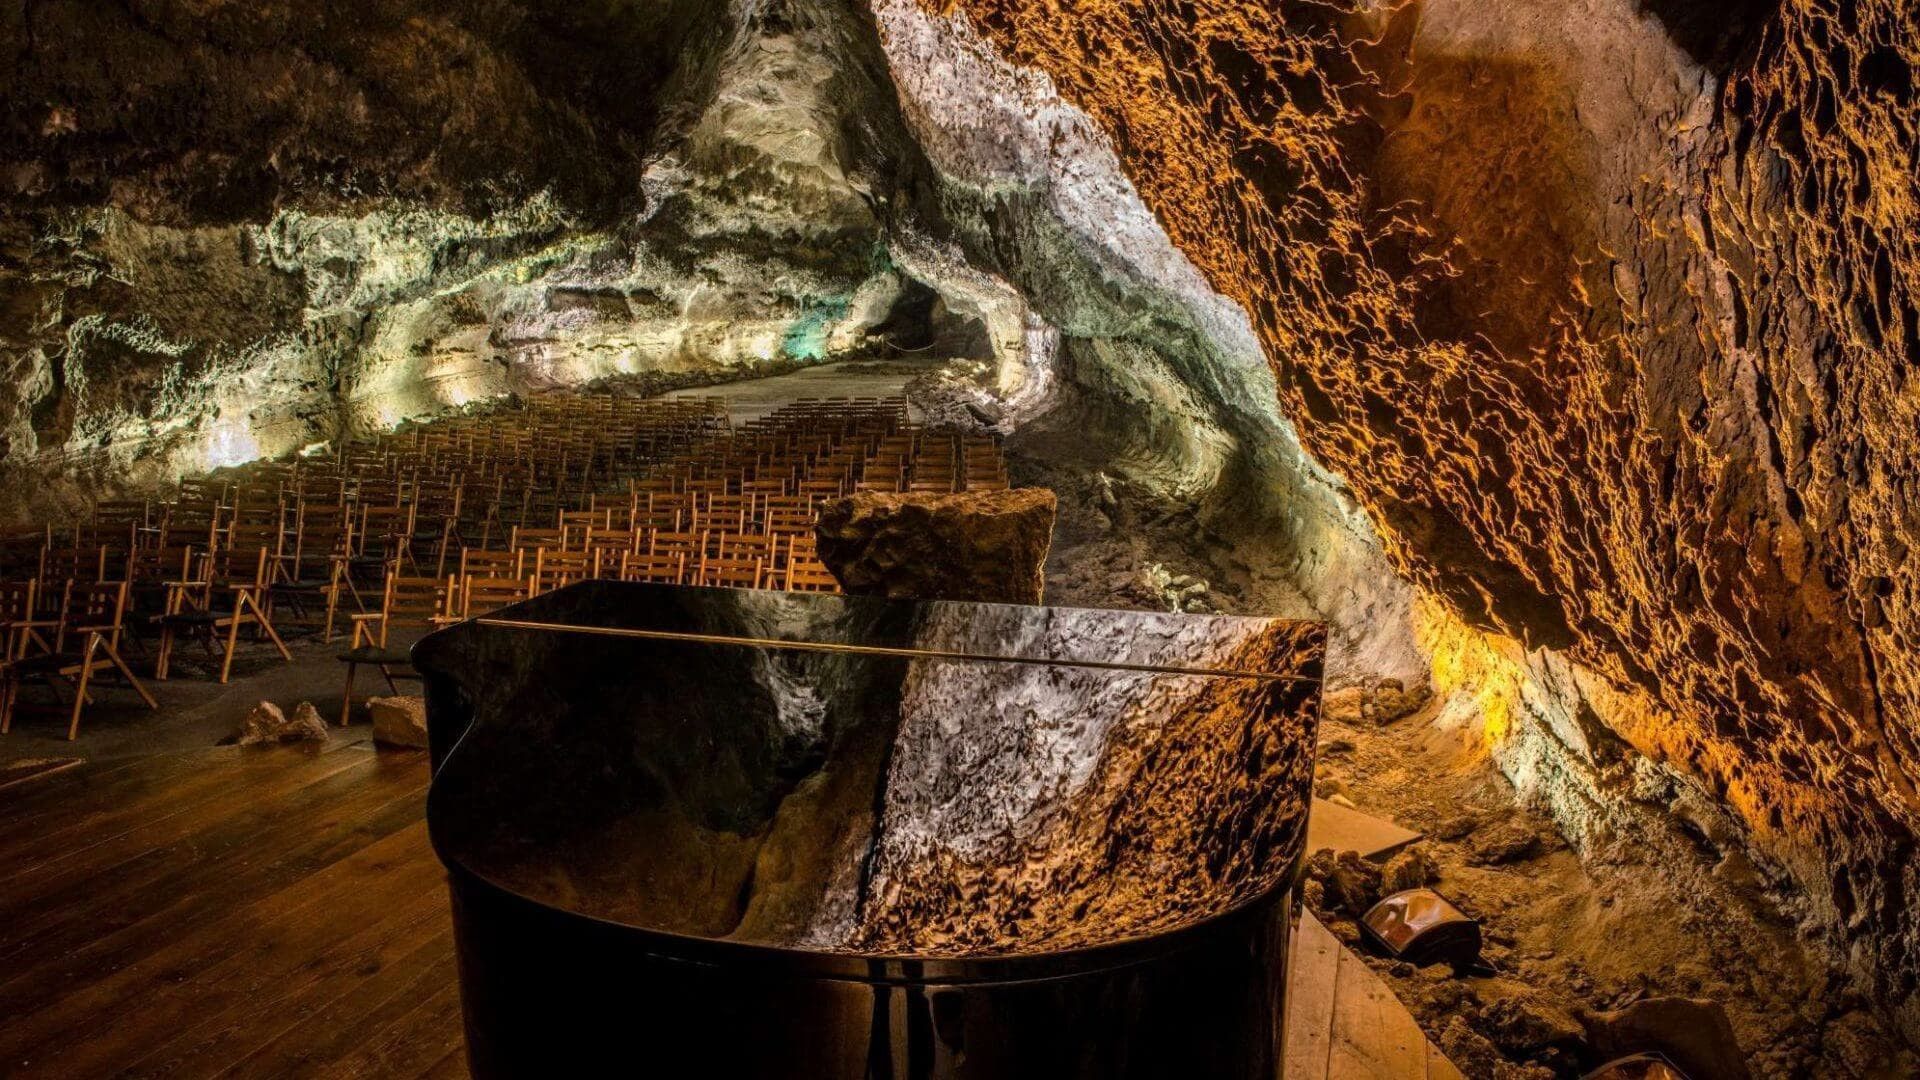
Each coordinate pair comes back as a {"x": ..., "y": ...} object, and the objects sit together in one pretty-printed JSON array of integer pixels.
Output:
[{"x": 230, "y": 442}]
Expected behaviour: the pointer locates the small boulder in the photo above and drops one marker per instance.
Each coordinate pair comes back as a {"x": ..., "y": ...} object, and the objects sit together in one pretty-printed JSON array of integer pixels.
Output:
[
  {"x": 399, "y": 721},
  {"x": 266, "y": 725},
  {"x": 308, "y": 723},
  {"x": 1503, "y": 844},
  {"x": 1468, "y": 1049},
  {"x": 1526, "y": 1024},
  {"x": 1377, "y": 701},
  {"x": 987, "y": 546},
  {"x": 1410, "y": 869},
  {"x": 1354, "y": 883},
  {"x": 1695, "y": 1034},
  {"x": 1343, "y": 705},
  {"x": 1388, "y": 700}
]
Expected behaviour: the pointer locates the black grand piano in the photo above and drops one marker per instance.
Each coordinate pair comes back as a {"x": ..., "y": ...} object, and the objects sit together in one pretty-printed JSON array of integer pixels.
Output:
[{"x": 729, "y": 833}]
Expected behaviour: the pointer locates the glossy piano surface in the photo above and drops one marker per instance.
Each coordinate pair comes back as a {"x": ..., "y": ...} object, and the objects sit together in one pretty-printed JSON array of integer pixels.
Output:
[{"x": 873, "y": 837}]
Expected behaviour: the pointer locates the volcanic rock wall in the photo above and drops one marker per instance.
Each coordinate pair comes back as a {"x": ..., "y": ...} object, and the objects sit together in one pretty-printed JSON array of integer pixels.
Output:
[
  {"x": 1136, "y": 367},
  {"x": 232, "y": 230},
  {"x": 1605, "y": 316}
]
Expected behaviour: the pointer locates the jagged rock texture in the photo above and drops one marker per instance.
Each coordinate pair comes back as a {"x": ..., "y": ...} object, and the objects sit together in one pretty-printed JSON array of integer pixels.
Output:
[
  {"x": 1064, "y": 807},
  {"x": 983, "y": 546},
  {"x": 1626, "y": 378},
  {"x": 1604, "y": 310},
  {"x": 235, "y": 230}
]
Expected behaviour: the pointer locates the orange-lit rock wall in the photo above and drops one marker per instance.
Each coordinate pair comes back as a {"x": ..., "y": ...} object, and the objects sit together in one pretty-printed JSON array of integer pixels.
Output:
[{"x": 1606, "y": 315}]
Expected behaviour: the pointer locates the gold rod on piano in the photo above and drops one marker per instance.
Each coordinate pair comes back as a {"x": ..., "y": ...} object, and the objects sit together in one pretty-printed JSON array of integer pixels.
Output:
[{"x": 881, "y": 650}]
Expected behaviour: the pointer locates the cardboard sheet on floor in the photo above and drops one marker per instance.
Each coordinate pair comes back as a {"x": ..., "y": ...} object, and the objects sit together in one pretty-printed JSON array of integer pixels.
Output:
[{"x": 1342, "y": 829}]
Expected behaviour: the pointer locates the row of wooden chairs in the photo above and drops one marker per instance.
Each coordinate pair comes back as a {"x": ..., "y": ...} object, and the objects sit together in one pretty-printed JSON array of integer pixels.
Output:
[
  {"x": 73, "y": 648},
  {"x": 553, "y": 490},
  {"x": 490, "y": 580}
]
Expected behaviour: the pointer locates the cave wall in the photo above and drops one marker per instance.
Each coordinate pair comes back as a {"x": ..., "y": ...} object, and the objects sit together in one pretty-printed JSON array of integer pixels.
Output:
[
  {"x": 1604, "y": 316},
  {"x": 1134, "y": 366},
  {"x": 237, "y": 230}
]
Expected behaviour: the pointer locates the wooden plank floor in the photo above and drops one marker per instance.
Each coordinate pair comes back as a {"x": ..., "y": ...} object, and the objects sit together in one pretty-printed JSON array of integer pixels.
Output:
[
  {"x": 279, "y": 913},
  {"x": 246, "y": 913},
  {"x": 1343, "y": 1022}
]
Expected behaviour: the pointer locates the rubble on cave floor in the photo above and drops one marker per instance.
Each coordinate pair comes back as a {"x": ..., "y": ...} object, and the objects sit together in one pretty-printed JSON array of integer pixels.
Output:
[{"x": 1576, "y": 946}]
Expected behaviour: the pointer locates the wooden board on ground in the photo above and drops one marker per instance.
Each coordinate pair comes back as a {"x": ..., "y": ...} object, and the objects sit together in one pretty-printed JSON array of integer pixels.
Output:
[
  {"x": 1341, "y": 828},
  {"x": 21, "y": 772},
  {"x": 1343, "y": 1022}
]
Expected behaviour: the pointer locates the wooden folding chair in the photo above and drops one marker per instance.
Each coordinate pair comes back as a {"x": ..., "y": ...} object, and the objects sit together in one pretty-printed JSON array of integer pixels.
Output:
[
  {"x": 313, "y": 573},
  {"x": 692, "y": 545},
  {"x": 23, "y": 553},
  {"x": 667, "y": 568},
  {"x": 730, "y": 573},
  {"x": 576, "y": 525},
  {"x": 230, "y": 598},
  {"x": 607, "y": 544},
  {"x": 151, "y": 574},
  {"x": 18, "y": 614},
  {"x": 406, "y": 603},
  {"x": 810, "y": 575},
  {"x": 762, "y": 546},
  {"x": 121, "y": 513},
  {"x": 383, "y": 538},
  {"x": 484, "y": 595},
  {"x": 479, "y": 562},
  {"x": 436, "y": 520},
  {"x": 91, "y": 615},
  {"x": 722, "y": 513},
  {"x": 791, "y": 517},
  {"x": 524, "y": 539},
  {"x": 556, "y": 569}
]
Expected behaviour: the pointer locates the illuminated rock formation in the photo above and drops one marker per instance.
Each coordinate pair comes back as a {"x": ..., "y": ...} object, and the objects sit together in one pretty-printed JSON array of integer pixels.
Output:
[
  {"x": 380, "y": 215},
  {"x": 1606, "y": 320},
  {"x": 985, "y": 546}
]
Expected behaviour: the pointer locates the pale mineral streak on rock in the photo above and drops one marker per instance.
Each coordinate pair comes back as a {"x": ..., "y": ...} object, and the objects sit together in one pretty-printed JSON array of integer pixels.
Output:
[{"x": 1116, "y": 803}]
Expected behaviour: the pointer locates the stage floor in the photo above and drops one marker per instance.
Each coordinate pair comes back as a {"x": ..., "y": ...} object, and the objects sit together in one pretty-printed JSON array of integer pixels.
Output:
[{"x": 231, "y": 912}]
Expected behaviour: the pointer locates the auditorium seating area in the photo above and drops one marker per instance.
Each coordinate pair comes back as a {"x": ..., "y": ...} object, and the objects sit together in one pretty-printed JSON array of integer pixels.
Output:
[{"x": 448, "y": 520}]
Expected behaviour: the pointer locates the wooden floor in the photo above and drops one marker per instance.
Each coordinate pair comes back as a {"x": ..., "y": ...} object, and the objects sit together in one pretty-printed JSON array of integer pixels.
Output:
[
  {"x": 1343, "y": 1022},
  {"x": 278, "y": 913},
  {"x": 262, "y": 913}
]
